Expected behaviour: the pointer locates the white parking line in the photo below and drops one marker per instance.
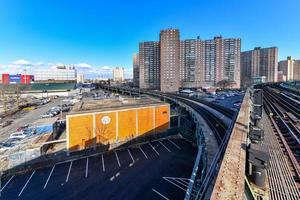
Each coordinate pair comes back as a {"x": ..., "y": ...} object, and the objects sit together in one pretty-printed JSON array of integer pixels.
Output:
[
  {"x": 153, "y": 148},
  {"x": 143, "y": 152},
  {"x": 117, "y": 159},
  {"x": 26, "y": 183},
  {"x": 67, "y": 179},
  {"x": 174, "y": 144},
  {"x": 103, "y": 166},
  {"x": 49, "y": 177},
  {"x": 87, "y": 167},
  {"x": 130, "y": 156},
  {"x": 184, "y": 189},
  {"x": 165, "y": 146},
  {"x": 7, "y": 183},
  {"x": 160, "y": 194}
]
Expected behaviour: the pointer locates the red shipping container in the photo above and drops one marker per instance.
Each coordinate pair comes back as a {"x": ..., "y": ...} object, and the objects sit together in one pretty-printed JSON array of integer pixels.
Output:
[
  {"x": 5, "y": 79},
  {"x": 25, "y": 79}
]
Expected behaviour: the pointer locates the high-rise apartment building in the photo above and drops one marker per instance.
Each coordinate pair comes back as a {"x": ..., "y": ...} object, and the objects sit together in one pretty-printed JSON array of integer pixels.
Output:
[
  {"x": 290, "y": 69},
  {"x": 80, "y": 78},
  {"x": 297, "y": 70},
  {"x": 258, "y": 63},
  {"x": 149, "y": 65},
  {"x": 190, "y": 63},
  {"x": 222, "y": 61},
  {"x": 169, "y": 60},
  {"x": 136, "y": 70},
  {"x": 250, "y": 66},
  {"x": 118, "y": 74}
]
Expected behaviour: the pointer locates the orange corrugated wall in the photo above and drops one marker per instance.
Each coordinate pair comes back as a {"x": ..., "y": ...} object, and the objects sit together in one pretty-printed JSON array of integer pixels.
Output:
[
  {"x": 126, "y": 124},
  {"x": 162, "y": 119},
  {"x": 80, "y": 132},
  {"x": 81, "y": 127},
  {"x": 105, "y": 133},
  {"x": 145, "y": 121}
]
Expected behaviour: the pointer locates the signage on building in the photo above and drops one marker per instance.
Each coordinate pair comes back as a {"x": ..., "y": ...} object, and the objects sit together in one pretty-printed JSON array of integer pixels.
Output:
[{"x": 14, "y": 78}]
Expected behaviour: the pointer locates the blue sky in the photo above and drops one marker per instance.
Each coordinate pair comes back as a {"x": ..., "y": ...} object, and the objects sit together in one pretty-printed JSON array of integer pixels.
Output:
[{"x": 98, "y": 35}]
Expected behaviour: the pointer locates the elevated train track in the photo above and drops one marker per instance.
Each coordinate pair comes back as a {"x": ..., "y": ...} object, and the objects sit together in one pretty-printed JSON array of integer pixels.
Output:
[
  {"x": 216, "y": 125},
  {"x": 288, "y": 134},
  {"x": 220, "y": 130}
]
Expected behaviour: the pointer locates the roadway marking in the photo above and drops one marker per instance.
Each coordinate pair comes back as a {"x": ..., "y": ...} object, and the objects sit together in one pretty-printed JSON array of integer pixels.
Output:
[
  {"x": 160, "y": 194},
  {"x": 49, "y": 177},
  {"x": 103, "y": 166},
  {"x": 167, "y": 179},
  {"x": 87, "y": 167},
  {"x": 153, "y": 148},
  {"x": 130, "y": 156},
  {"x": 143, "y": 152},
  {"x": 117, "y": 159},
  {"x": 174, "y": 144},
  {"x": 165, "y": 146},
  {"x": 26, "y": 183},
  {"x": 67, "y": 179},
  {"x": 7, "y": 183}
]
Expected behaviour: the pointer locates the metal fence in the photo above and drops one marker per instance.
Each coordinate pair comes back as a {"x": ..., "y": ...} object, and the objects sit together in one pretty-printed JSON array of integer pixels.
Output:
[{"x": 23, "y": 157}]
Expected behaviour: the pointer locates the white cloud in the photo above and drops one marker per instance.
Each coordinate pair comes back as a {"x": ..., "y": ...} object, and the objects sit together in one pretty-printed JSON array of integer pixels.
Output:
[
  {"x": 106, "y": 68},
  {"x": 21, "y": 62},
  {"x": 83, "y": 65},
  {"x": 38, "y": 64}
]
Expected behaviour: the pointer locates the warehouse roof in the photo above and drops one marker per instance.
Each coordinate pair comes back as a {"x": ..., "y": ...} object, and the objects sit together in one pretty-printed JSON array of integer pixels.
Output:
[{"x": 86, "y": 106}]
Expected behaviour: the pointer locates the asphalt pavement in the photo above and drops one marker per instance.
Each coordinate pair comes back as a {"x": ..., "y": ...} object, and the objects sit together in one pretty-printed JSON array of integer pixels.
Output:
[{"x": 155, "y": 170}]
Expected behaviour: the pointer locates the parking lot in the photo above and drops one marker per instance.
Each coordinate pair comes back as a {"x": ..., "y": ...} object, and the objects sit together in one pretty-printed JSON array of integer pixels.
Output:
[
  {"x": 26, "y": 117},
  {"x": 154, "y": 170}
]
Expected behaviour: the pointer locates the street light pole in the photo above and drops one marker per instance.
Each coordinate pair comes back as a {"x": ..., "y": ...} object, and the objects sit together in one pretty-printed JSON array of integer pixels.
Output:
[{"x": 61, "y": 109}]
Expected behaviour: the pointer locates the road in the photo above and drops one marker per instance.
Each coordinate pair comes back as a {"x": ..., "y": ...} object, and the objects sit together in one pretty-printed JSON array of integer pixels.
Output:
[
  {"x": 26, "y": 117},
  {"x": 156, "y": 170}
]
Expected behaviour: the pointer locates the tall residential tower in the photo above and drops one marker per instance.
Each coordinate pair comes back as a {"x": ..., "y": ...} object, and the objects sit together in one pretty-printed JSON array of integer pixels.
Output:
[
  {"x": 149, "y": 65},
  {"x": 260, "y": 62},
  {"x": 136, "y": 70},
  {"x": 171, "y": 64},
  {"x": 169, "y": 60}
]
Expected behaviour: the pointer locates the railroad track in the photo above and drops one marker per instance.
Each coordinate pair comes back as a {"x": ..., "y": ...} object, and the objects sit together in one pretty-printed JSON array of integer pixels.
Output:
[
  {"x": 215, "y": 124},
  {"x": 225, "y": 111},
  {"x": 280, "y": 177},
  {"x": 285, "y": 131},
  {"x": 286, "y": 103}
]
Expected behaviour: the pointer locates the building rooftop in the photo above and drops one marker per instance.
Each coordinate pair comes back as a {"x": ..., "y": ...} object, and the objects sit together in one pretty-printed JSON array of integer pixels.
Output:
[{"x": 89, "y": 105}]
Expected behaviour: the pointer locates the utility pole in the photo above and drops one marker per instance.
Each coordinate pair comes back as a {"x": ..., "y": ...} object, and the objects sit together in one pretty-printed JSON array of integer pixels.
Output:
[{"x": 61, "y": 115}]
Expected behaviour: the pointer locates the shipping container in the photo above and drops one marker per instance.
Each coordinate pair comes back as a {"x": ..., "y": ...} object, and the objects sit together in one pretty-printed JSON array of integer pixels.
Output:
[
  {"x": 25, "y": 79},
  {"x": 5, "y": 78}
]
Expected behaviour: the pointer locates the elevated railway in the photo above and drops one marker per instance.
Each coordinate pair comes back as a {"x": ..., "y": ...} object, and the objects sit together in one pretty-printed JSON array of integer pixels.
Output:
[
  {"x": 285, "y": 130},
  {"x": 221, "y": 132}
]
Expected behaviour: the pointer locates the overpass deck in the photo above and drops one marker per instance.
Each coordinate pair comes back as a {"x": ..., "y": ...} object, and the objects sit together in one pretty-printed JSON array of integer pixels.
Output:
[{"x": 230, "y": 180}]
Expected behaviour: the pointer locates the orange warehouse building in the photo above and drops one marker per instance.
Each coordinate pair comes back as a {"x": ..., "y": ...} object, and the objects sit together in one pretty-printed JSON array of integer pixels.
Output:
[{"x": 89, "y": 129}]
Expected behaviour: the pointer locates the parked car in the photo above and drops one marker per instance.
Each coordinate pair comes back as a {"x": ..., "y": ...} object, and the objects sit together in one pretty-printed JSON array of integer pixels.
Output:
[
  {"x": 6, "y": 123},
  {"x": 45, "y": 101},
  {"x": 22, "y": 127},
  {"x": 19, "y": 135},
  {"x": 29, "y": 132},
  {"x": 47, "y": 115},
  {"x": 55, "y": 110}
]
